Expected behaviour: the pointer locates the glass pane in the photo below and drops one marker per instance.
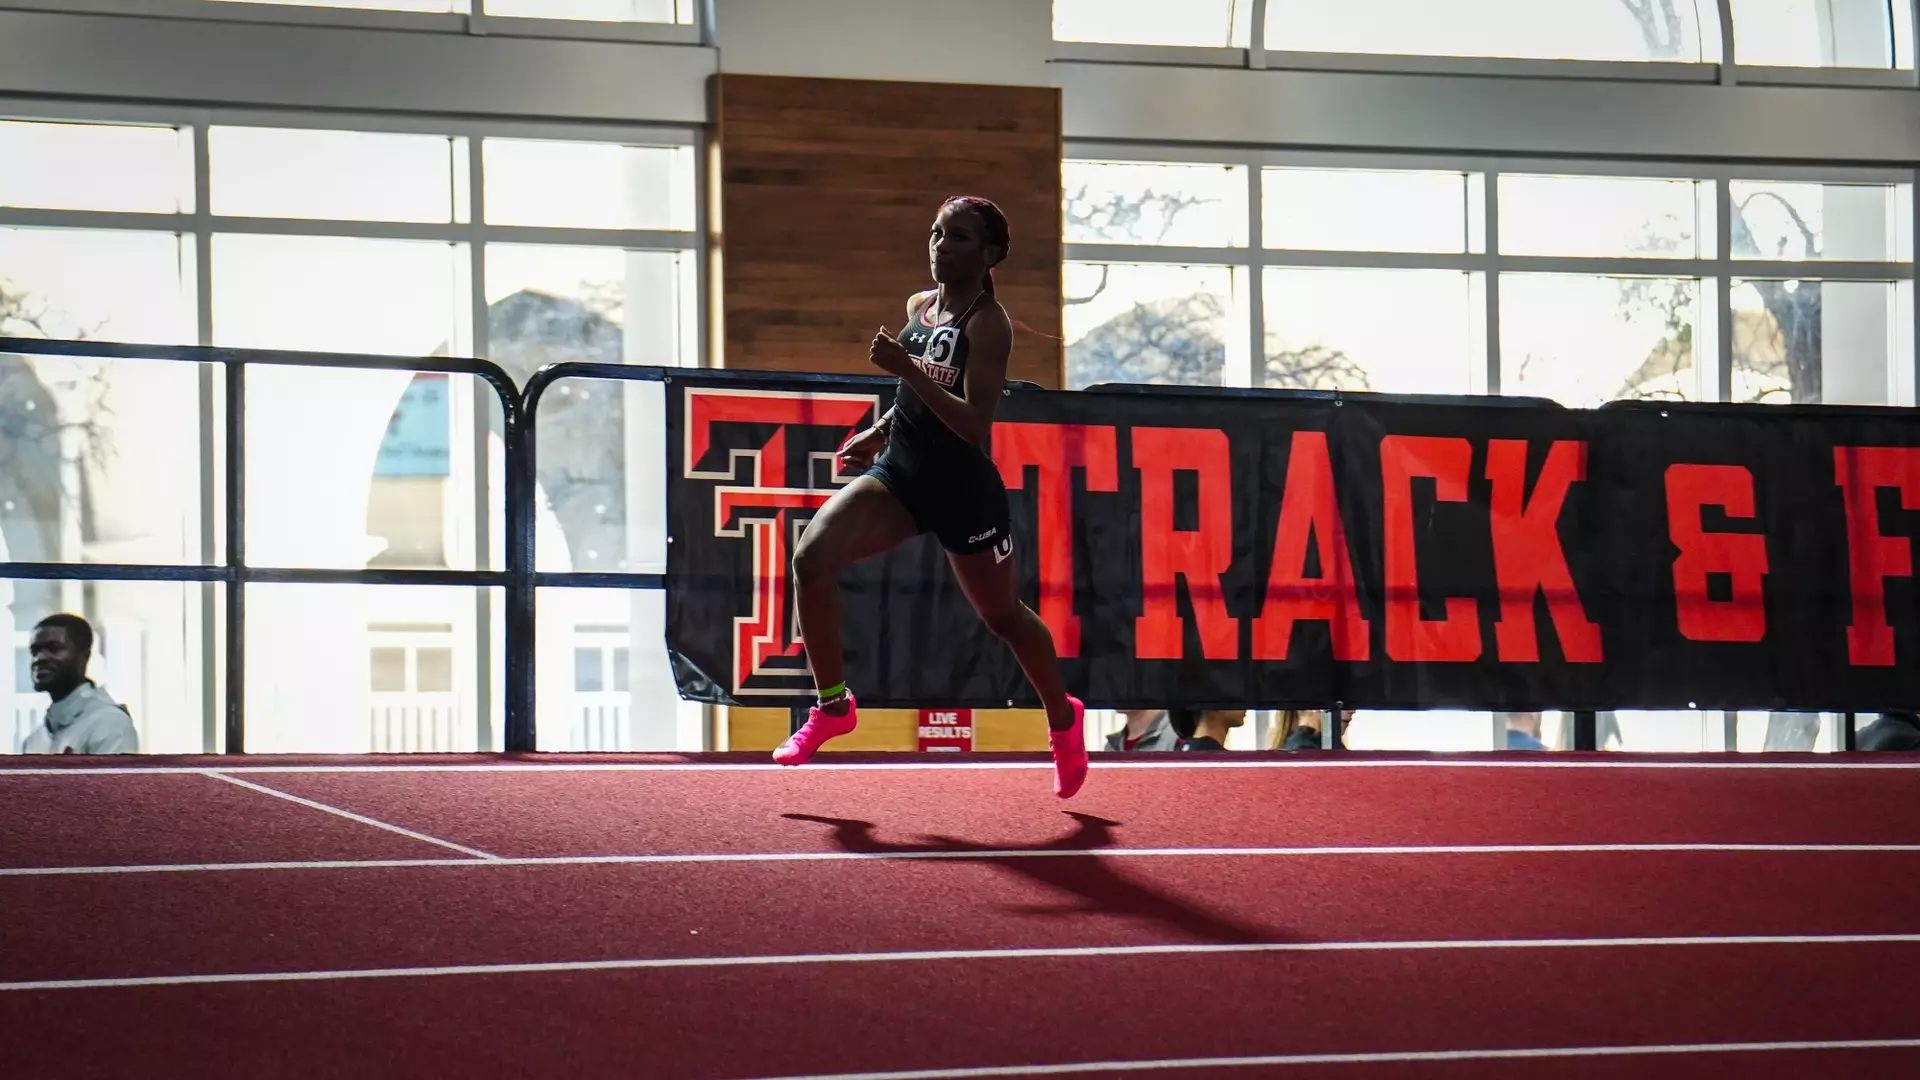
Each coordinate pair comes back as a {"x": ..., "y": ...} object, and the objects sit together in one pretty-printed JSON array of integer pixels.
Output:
[
  {"x": 1586, "y": 340},
  {"x": 647, "y": 11},
  {"x": 96, "y": 167},
  {"x": 310, "y": 678},
  {"x": 153, "y": 655},
  {"x": 407, "y": 505},
  {"x": 340, "y": 509},
  {"x": 342, "y": 175},
  {"x": 546, "y": 304},
  {"x": 600, "y": 444},
  {"x": 1324, "y": 330},
  {"x": 650, "y": 715},
  {"x": 100, "y": 460},
  {"x": 1818, "y": 341},
  {"x": 1674, "y": 731},
  {"x": 1439, "y": 731},
  {"x": 1813, "y": 33},
  {"x": 1564, "y": 30},
  {"x": 1604, "y": 215},
  {"x": 1805, "y": 222},
  {"x": 335, "y": 294},
  {"x": 96, "y": 284},
  {"x": 1358, "y": 210},
  {"x": 1215, "y": 23},
  {"x": 1759, "y": 731},
  {"x": 1128, "y": 203},
  {"x": 455, "y": 6},
  {"x": 1150, "y": 324},
  {"x": 622, "y": 664},
  {"x": 585, "y": 185},
  {"x": 600, "y": 477}
]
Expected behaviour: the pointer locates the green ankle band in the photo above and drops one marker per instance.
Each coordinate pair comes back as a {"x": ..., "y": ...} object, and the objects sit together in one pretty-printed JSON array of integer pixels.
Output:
[{"x": 833, "y": 691}]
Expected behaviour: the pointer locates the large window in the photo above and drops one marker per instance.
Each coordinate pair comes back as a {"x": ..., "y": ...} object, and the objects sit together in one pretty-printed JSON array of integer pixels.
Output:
[
  {"x": 1821, "y": 33},
  {"x": 366, "y": 5},
  {"x": 646, "y": 11},
  {"x": 1562, "y": 30},
  {"x": 1215, "y": 23},
  {"x": 1858, "y": 34},
  {"x": 1153, "y": 323},
  {"x": 1418, "y": 275},
  {"x": 1368, "y": 210},
  {"x": 529, "y": 247}
]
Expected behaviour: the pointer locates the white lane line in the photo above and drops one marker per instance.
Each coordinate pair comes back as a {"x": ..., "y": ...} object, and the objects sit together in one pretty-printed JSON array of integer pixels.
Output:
[
  {"x": 348, "y": 814},
  {"x": 1904, "y": 763},
  {"x": 943, "y": 955},
  {"x": 1548, "y": 1052},
  {"x": 973, "y": 856}
]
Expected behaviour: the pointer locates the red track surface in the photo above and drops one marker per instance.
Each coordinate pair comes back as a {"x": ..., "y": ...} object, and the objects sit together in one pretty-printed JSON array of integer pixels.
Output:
[{"x": 746, "y": 922}]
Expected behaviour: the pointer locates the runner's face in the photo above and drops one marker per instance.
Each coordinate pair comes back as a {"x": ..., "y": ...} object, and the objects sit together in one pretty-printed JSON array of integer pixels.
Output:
[{"x": 956, "y": 251}]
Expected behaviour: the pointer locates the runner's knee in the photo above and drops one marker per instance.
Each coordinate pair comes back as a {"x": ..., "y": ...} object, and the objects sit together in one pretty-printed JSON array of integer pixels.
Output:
[
  {"x": 816, "y": 558},
  {"x": 810, "y": 561}
]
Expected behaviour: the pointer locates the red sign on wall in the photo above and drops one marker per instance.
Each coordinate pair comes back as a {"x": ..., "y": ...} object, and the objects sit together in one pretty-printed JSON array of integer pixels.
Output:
[{"x": 946, "y": 729}]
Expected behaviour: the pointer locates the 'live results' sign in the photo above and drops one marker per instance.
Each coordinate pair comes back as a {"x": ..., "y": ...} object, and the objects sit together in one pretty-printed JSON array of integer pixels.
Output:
[{"x": 946, "y": 729}]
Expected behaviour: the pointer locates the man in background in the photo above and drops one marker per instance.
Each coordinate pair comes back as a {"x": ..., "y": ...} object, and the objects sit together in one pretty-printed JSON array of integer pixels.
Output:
[
  {"x": 82, "y": 719},
  {"x": 1523, "y": 731},
  {"x": 1893, "y": 731},
  {"x": 1146, "y": 730}
]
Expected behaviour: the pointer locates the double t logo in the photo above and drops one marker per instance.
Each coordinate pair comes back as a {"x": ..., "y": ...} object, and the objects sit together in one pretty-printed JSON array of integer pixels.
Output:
[{"x": 756, "y": 444}]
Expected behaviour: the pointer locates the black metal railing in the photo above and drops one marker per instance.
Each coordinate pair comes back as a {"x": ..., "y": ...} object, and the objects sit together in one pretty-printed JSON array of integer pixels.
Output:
[
  {"x": 519, "y": 578},
  {"x": 234, "y": 572},
  {"x": 520, "y": 709}
]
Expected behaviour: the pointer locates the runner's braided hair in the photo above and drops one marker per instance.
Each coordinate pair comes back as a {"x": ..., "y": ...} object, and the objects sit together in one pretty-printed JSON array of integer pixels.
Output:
[
  {"x": 995, "y": 232},
  {"x": 993, "y": 228}
]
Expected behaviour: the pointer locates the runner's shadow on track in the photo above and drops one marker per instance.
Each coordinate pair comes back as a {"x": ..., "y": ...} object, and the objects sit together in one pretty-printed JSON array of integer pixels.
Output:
[{"x": 1069, "y": 864}]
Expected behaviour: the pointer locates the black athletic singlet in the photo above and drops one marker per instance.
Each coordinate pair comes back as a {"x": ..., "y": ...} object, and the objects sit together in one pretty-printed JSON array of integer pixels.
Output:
[
  {"x": 950, "y": 486},
  {"x": 941, "y": 353}
]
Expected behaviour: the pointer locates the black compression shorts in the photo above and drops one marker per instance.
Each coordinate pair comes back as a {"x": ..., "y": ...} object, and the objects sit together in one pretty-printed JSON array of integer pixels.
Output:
[{"x": 964, "y": 505}]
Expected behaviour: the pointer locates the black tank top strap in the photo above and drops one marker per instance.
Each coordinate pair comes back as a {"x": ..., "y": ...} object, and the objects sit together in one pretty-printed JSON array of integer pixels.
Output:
[
  {"x": 959, "y": 322},
  {"x": 920, "y": 305},
  {"x": 967, "y": 313}
]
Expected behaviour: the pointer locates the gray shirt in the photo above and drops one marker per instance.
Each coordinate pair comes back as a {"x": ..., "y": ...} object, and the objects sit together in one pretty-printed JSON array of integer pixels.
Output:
[
  {"x": 86, "y": 721},
  {"x": 1160, "y": 735}
]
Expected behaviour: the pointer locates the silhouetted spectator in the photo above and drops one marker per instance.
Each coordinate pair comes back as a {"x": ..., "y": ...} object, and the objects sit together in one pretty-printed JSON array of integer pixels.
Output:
[
  {"x": 1206, "y": 730},
  {"x": 1147, "y": 729},
  {"x": 82, "y": 718},
  {"x": 1298, "y": 729},
  {"x": 1893, "y": 731},
  {"x": 1523, "y": 731}
]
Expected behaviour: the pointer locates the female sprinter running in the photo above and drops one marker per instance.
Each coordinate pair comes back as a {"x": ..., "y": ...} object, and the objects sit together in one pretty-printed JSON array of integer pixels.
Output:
[{"x": 925, "y": 470}]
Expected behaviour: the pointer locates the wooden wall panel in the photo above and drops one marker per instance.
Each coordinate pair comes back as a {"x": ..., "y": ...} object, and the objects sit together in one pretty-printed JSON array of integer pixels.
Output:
[{"x": 826, "y": 188}]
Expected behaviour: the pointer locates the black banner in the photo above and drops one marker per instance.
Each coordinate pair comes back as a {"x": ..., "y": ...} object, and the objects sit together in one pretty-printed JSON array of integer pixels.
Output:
[{"x": 1230, "y": 549}]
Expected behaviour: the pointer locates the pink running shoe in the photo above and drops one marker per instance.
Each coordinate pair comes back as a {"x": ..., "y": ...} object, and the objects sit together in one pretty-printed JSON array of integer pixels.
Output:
[
  {"x": 1070, "y": 752},
  {"x": 820, "y": 726}
]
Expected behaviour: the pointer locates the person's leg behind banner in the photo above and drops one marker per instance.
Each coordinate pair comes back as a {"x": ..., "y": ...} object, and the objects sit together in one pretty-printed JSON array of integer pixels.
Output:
[
  {"x": 862, "y": 520},
  {"x": 987, "y": 579}
]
